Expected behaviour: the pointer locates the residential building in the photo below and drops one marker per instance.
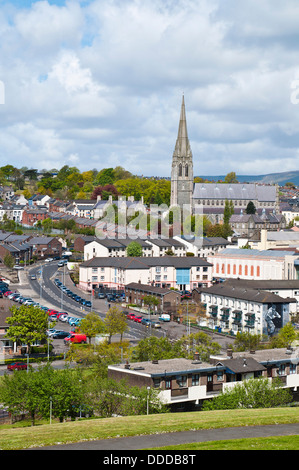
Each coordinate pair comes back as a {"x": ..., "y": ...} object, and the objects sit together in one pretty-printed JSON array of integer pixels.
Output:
[
  {"x": 283, "y": 288},
  {"x": 45, "y": 247},
  {"x": 183, "y": 273},
  {"x": 168, "y": 299},
  {"x": 184, "y": 384},
  {"x": 203, "y": 246}
]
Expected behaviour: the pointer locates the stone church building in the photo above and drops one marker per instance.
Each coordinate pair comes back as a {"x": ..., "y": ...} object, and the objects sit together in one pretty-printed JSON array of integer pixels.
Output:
[{"x": 209, "y": 198}]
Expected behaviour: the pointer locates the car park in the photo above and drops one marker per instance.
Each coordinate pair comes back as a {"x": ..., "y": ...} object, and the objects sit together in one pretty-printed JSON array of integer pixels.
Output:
[{"x": 17, "y": 366}]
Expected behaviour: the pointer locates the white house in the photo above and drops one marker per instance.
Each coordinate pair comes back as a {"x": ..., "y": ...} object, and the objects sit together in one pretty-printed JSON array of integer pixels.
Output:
[
  {"x": 183, "y": 273},
  {"x": 241, "y": 309}
]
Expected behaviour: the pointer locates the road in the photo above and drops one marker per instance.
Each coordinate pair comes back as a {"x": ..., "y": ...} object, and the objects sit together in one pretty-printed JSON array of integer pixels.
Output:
[{"x": 44, "y": 291}]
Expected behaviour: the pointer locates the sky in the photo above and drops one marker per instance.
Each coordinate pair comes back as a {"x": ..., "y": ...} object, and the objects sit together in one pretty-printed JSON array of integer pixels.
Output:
[{"x": 99, "y": 83}]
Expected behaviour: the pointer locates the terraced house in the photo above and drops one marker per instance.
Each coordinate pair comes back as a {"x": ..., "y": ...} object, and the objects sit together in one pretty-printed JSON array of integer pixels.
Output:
[{"x": 185, "y": 384}]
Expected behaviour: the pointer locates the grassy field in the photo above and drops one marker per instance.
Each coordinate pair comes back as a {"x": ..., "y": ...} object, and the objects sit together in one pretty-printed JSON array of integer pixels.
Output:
[{"x": 46, "y": 434}]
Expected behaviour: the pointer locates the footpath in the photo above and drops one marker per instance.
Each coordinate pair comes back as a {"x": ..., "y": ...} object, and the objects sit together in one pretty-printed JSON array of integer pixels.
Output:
[{"x": 183, "y": 438}]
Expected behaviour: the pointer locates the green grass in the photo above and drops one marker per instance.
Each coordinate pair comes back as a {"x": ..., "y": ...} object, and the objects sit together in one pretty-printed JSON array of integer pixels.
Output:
[
  {"x": 46, "y": 434},
  {"x": 258, "y": 443}
]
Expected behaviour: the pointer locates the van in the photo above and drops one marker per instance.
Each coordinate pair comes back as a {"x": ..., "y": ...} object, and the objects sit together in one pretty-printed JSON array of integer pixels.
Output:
[
  {"x": 164, "y": 317},
  {"x": 75, "y": 338}
]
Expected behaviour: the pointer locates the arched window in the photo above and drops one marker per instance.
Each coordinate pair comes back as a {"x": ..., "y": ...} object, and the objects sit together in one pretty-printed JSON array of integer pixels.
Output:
[
  {"x": 186, "y": 170},
  {"x": 180, "y": 170}
]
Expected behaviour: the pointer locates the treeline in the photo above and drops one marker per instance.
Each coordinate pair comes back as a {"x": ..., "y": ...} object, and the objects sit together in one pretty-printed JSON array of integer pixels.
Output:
[{"x": 70, "y": 183}]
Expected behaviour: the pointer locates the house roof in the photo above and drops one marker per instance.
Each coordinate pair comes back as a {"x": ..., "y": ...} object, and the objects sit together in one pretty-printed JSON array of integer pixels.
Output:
[
  {"x": 146, "y": 262},
  {"x": 244, "y": 293}
]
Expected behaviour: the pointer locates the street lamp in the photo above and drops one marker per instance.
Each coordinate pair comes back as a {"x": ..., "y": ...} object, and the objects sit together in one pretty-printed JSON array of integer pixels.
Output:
[{"x": 147, "y": 400}]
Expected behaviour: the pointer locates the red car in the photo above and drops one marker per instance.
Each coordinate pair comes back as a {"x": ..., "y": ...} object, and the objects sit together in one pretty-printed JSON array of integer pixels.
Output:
[
  {"x": 137, "y": 319},
  {"x": 17, "y": 366},
  {"x": 131, "y": 316},
  {"x": 8, "y": 292}
]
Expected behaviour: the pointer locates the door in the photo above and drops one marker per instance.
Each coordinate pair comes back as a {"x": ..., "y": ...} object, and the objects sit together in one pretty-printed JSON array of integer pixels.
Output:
[{"x": 209, "y": 382}]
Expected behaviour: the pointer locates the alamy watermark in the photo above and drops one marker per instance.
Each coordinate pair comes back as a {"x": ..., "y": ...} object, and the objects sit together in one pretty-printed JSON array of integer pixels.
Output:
[{"x": 120, "y": 220}]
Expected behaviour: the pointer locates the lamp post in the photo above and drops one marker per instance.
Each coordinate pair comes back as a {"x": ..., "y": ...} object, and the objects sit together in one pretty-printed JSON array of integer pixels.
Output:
[{"x": 147, "y": 400}]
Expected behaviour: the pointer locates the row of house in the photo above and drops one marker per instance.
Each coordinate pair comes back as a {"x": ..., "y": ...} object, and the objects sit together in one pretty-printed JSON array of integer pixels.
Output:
[
  {"x": 24, "y": 247},
  {"x": 184, "y": 384}
]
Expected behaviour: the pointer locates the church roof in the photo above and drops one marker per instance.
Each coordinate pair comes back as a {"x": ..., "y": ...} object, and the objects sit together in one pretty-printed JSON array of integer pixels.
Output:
[{"x": 248, "y": 191}]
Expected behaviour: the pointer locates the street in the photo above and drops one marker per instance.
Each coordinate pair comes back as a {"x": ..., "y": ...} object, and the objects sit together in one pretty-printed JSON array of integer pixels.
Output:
[{"x": 43, "y": 290}]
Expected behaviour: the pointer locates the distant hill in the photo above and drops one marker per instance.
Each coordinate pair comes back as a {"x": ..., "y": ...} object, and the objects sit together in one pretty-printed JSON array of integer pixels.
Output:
[{"x": 279, "y": 178}]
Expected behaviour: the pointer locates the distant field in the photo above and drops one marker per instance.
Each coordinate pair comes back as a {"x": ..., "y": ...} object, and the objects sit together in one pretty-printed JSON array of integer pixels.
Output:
[{"x": 46, "y": 434}]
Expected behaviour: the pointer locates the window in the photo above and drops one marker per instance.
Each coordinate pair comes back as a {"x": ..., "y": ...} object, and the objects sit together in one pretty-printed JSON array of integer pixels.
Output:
[
  {"x": 181, "y": 380},
  {"x": 282, "y": 369},
  {"x": 180, "y": 169},
  {"x": 186, "y": 170},
  {"x": 156, "y": 383},
  {"x": 293, "y": 368},
  {"x": 219, "y": 375},
  {"x": 167, "y": 384}
]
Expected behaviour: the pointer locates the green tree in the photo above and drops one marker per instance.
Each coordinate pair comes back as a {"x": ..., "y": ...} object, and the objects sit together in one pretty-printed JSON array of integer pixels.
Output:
[
  {"x": 92, "y": 325},
  {"x": 250, "y": 209},
  {"x": 134, "y": 249},
  {"x": 231, "y": 178},
  {"x": 9, "y": 261},
  {"x": 115, "y": 323},
  {"x": 27, "y": 325},
  {"x": 151, "y": 301}
]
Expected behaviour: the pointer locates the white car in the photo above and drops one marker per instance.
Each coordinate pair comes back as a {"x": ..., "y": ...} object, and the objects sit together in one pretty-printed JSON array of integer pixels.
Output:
[
  {"x": 49, "y": 259},
  {"x": 17, "y": 266}
]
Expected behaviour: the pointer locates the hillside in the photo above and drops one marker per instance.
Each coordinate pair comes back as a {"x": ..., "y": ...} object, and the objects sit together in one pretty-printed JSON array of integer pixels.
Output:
[{"x": 279, "y": 178}]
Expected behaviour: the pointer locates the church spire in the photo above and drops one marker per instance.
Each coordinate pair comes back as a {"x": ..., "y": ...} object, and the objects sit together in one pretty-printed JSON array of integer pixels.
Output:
[
  {"x": 182, "y": 165},
  {"x": 182, "y": 147}
]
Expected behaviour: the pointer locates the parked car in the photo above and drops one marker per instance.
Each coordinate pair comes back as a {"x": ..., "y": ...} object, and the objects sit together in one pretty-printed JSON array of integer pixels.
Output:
[
  {"x": 7, "y": 293},
  {"x": 64, "y": 318},
  {"x": 33, "y": 277},
  {"x": 137, "y": 319},
  {"x": 101, "y": 295},
  {"x": 145, "y": 321},
  {"x": 155, "y": 324},
  {"x": 48, "y": 260},
  {"x": 88, "y": 303},
  {"x": 131, "y": 316},
  {"x": 164, "y": 317},
  {"x": 75, "y": 338},
  {"x": 60, "y": 334},
  {"x": 17, "y": 366},
  {"x": 17, "y": 266}
]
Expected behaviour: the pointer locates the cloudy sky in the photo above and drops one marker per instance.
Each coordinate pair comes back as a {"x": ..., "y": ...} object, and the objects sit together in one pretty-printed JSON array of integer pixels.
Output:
[{"x": 99, "y": 83}]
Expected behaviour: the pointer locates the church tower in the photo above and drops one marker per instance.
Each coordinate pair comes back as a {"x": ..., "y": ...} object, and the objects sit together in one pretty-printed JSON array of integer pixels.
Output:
[{"x": 182, "y": 166}]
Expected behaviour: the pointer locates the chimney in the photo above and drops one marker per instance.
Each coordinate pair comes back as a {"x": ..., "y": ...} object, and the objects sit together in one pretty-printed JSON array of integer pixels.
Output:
[{"x": 229, "y": 352}]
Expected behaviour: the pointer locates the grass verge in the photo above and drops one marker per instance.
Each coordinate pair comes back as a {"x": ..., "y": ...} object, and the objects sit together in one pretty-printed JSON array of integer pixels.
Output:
[{"x": 62, "y": 433}]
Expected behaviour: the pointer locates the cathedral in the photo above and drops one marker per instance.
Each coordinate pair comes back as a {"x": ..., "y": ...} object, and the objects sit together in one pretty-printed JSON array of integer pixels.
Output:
[{"x": 211, "y": 197}]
